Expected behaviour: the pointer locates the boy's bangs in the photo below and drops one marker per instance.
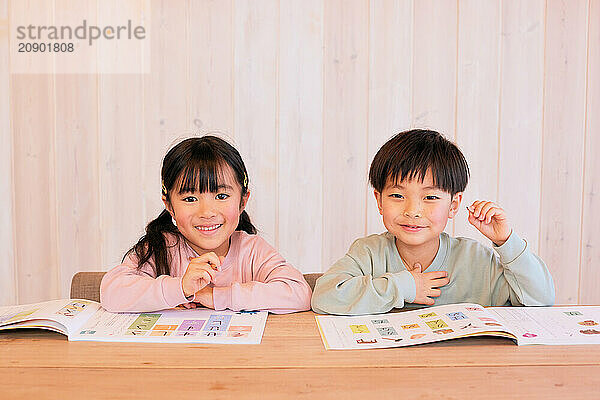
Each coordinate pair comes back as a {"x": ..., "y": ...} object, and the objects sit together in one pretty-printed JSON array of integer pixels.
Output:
[
  {"x": 418, "y": 167},
  {"x": 202, "y": 176},
  {"x": 413, "y": 169}
]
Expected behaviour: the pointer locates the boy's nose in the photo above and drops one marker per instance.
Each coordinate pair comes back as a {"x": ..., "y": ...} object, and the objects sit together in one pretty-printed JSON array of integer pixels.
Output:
[
  {"x": 412, "y": 214},
  {"x": 413, "y": 210}
]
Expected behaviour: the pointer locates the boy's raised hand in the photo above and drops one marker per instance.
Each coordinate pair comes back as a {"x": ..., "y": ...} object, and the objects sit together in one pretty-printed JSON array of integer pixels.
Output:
[
  {"x": 490, "y": 219},
  {"x": 200, "y": 272},
  {"x": 426, "y": 283}
]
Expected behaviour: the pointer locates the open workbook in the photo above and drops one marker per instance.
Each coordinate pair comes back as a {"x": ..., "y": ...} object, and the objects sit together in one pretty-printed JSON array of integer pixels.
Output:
[
  {"x": 87, "y": 320},
  {"x": 525, "y": 325}
]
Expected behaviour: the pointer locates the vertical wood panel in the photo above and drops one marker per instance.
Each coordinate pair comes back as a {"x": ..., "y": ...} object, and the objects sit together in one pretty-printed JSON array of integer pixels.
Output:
[
  {"x": 520, "y": 149},
  {"x": 32, "y": 101},
  {"x": 477, "y": 105},
  {"x": 308, "y": 91},
  {"x": 211, "y": 66},
  {"x": 562, "y": 158},
  {"x": 166, "y": 96},
  {"x": 345, "y": 127},
  {"x": 301, "y": 133},
  {"x": 390, "y": 47},
  {"x": 256, "y": 102},
  {"x": 121, "y": 144},
  {"x": 589, "y": 290},
  {"x": 8, "y": 288},
  {"x": 434, "y": 66},
  {"x": 77, "y": 189}
]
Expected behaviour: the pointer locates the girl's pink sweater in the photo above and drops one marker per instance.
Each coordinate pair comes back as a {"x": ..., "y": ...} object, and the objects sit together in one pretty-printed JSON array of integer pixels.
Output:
[{"x": 254, "y": 276}]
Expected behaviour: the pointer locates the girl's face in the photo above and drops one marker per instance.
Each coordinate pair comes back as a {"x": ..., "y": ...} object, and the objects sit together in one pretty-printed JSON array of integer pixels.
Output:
[
  {"x": 208, "y": 219},
  {"x": 416, "y": 212}
]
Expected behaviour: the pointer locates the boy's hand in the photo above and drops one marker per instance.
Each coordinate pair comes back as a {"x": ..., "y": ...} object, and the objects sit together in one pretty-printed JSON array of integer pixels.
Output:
[
  {"x": 490, "y": 220},
  {"x": 200, "y": 272},
  {"x": 426, "y": 283}
]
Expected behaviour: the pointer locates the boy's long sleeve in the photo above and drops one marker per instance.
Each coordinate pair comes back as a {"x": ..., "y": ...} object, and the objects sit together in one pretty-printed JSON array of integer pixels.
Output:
[
  {"x": 521, "y": 278},
  {"x": 361, "y": 283},
  {"x": 371, "y": 277}
]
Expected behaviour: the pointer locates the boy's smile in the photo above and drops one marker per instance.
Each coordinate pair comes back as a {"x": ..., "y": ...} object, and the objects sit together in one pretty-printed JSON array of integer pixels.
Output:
[{"x": 416, "y": 213}]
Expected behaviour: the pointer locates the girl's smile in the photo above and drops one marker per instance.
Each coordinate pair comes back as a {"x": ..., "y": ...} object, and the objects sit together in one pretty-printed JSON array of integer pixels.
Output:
[{"x": 209, "y": 229}]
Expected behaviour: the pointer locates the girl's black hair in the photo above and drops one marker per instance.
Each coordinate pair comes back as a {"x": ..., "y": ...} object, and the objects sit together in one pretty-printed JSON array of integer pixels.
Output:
[
  {"x": 194, "y": 165},
  {"x": 410, "y": 154}
]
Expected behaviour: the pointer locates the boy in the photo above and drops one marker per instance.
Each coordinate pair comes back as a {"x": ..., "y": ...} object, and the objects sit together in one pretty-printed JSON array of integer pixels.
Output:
[{"x": 419, "y": 178}]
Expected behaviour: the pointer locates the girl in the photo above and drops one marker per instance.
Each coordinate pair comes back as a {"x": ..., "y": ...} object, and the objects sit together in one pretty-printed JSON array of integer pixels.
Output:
[{"x": 203, "y": 248}]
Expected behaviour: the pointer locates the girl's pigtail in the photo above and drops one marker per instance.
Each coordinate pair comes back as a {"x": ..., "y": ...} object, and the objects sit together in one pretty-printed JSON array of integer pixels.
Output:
[
  {"x": 245, "y": 224},
  {"x": 153, "y": 244}
]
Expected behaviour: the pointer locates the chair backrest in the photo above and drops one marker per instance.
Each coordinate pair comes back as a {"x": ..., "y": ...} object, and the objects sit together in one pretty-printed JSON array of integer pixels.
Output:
[{"x": 86, "y": 285}]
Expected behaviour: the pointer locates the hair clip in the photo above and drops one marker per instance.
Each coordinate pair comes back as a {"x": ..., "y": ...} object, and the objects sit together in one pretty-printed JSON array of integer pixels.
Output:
[
  {"x": 245, "y": 180},
  {"x": 164, "y": 190}
]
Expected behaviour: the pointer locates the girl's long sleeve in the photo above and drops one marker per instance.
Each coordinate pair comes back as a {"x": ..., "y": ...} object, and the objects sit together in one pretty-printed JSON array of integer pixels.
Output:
[
  {"x": 253, "y": 276},
  {"x": 267, "y": 282},
  {"x": 127, "y": 289}
]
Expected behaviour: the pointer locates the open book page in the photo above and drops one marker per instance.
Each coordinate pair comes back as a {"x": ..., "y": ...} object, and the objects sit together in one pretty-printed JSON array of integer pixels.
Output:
[
  {"x": 563, "y": 325},
  {"x": 63, "y": 316},
  {"x": 409, "y": 327},
  {"x": 175, "y": 326}
]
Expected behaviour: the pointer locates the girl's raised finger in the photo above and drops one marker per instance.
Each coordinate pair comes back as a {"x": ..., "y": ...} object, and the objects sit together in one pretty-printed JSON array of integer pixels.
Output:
[{"x": 211, "y": 258}]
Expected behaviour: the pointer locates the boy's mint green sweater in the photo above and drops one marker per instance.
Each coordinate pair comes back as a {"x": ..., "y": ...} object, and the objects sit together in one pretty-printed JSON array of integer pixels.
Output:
[{"x": 371, "y": 277}]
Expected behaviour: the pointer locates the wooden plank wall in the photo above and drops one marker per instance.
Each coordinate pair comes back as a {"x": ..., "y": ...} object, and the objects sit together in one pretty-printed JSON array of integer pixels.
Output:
[{"x": 307, "y": 91}]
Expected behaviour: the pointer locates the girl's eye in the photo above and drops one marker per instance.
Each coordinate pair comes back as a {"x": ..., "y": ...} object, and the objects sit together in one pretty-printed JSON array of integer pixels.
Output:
[
  {"x": 431, "y": 197},
  {"x": 189, "y": 199},
  {"x": 221, "y": 196}
]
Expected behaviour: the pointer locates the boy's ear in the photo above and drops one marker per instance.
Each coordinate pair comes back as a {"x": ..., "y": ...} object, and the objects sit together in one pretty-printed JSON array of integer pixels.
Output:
[
  {"x": 378, "y": 198},
  {"x": 455, "y": 204}
]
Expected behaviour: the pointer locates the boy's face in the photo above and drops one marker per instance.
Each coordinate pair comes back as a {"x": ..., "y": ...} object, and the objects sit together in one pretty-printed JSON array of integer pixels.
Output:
[{"x": 416, "y": 212}]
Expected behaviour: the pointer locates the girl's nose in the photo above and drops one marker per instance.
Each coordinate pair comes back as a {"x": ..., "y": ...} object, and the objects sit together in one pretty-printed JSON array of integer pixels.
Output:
[{"x": 206, "y": 209}]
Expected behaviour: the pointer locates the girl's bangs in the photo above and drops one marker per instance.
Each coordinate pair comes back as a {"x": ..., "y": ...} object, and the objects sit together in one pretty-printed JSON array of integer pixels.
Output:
[{"x": 202, "y": 176}]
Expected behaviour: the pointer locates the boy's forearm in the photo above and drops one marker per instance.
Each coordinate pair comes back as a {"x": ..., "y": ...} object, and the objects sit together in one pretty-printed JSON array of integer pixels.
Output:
[
  {"x": 527, "y": 275},
  {"x": 355, "y": 295}
]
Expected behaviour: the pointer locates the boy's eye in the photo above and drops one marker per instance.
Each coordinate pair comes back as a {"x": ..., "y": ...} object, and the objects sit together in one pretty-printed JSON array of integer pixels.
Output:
[
  {"x": 221, "y": 196},
  {"x": 396, "y": 196},
  {"x": 432, "y": 197}
]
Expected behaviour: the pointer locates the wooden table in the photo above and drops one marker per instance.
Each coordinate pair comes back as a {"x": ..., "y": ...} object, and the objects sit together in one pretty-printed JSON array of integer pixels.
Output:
[{"x": 291, "y": 363}]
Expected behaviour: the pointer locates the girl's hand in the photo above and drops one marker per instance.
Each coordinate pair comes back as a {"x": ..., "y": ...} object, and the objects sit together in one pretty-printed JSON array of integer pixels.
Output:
[
  {"x": 187, "y": 306},
  {"x": 205, "y": 297},
  {"x": 490, "y": 220},
  {"x": 426, "y": 283},
  {"x": 200, "y": 272}
]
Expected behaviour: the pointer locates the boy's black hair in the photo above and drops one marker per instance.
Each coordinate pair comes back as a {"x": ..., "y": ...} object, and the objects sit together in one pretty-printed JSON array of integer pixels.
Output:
[
  {"x": 193, "y": 165},
  {"x": 410, "y": 154}
]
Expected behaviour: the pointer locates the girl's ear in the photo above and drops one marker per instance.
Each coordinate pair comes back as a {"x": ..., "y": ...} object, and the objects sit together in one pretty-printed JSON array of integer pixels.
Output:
[
  {"x": 455, "y": 204},
  {"x": 167, "y": 204},
  {"x": 244, "y": 201},
  {"x": 378, "y": 198}
]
